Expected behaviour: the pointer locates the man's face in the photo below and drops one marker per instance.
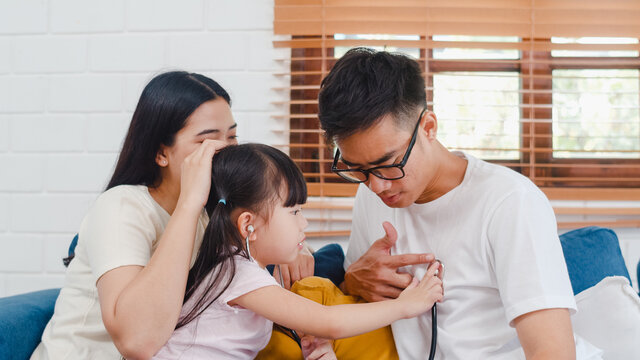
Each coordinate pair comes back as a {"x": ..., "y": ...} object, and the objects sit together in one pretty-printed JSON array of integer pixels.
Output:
[{"x": 385, "y": 144}]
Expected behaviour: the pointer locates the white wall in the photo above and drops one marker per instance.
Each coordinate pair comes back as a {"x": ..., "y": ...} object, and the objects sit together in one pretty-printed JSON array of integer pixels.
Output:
[{"x": 71, "y": 72}]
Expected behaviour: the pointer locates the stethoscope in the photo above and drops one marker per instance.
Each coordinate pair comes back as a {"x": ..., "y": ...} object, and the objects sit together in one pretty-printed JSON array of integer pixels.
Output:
[
  {"x": 434, "y": 319},
  {"x": 285, "y": 329}
]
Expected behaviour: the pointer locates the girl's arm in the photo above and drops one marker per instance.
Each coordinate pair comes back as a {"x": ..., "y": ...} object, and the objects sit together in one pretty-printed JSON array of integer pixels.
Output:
[
  {"x": 340, "y": 321},
  {"x": 140, "y": 305}
]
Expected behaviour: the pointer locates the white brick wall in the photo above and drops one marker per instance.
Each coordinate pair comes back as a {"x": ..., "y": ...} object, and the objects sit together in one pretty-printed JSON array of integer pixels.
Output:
[
  {"x": 23, "y": 17},
  {"x": 43, "y": 54},
  {"x": 71, "y": 72},
  {"x": 81, "y": 16}
]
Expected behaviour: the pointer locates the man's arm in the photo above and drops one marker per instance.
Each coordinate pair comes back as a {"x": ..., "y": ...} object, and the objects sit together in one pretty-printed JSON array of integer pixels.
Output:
[
  {"x": 374, "y": 276},
  {"x": 546, "y": 334}
]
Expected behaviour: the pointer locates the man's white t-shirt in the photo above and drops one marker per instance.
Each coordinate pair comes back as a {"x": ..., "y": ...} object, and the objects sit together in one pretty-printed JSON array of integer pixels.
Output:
[
  {"x": 122, "y": 228},
  {"x": 496, "y": 236}
]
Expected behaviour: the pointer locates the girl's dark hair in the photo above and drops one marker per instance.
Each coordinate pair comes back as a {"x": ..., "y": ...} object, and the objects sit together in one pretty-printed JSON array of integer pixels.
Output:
[
  {"x": 251, "y": 177},
  {"x": 164, "y": 106},
  {"x": 365, "y": 85}
]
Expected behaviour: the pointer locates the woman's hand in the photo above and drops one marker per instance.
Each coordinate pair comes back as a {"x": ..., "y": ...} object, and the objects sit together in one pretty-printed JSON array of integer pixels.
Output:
[
  {"x": 195, "y": 180},
  {"x": 419, "y": 297},
  {"x": 314, "y": 348}
]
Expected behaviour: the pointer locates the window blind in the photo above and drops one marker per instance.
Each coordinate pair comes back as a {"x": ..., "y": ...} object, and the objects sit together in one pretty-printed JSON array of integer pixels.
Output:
[{"x": 549, "y": 88}]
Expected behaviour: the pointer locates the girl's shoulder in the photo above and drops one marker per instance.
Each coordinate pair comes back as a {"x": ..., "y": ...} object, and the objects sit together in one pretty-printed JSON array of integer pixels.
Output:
[{"x": 248, "y": 276}]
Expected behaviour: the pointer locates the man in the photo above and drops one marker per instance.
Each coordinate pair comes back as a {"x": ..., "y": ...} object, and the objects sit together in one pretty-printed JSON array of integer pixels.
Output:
[{"x": 507, "y": 293}]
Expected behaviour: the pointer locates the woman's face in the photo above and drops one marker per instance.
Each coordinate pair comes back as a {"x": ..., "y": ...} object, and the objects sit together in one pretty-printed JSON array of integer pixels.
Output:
[{"x": 211, "y": 120}]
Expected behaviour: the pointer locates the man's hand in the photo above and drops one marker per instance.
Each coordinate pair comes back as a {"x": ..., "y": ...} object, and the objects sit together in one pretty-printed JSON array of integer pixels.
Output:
[
  {"x": 299, "y": 269},
  {"x": 375, "y": 276}
]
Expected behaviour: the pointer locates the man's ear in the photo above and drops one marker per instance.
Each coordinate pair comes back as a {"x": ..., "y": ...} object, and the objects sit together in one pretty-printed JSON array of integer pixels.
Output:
[
  {"x": 430, "y": 124},
  {"x": 161, "y": 157},
  {"x": 245, "y": 220}
]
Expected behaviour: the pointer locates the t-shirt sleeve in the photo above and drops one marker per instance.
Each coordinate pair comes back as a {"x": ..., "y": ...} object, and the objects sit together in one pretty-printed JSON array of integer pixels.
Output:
[
  {"x": 527, "y": 255},
  {"x": 249, "y": 276},
  {"x": 117, "y": 231},
  {"x": 359, "y": 241}
]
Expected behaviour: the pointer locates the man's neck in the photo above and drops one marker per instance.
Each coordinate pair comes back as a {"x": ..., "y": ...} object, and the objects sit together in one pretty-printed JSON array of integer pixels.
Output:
[{"x": 449, "y": 175}]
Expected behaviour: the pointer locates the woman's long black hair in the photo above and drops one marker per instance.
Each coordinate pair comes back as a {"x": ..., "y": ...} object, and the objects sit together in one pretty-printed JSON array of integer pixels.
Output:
[
  {"x": 164, "y": 106},
  {"x": 252, "y": 177}
]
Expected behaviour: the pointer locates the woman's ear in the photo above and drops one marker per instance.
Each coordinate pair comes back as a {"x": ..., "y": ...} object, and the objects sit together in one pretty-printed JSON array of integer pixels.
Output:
[
  {"x": 161, "y": 158},
  {"x": 246, "y": 225}
]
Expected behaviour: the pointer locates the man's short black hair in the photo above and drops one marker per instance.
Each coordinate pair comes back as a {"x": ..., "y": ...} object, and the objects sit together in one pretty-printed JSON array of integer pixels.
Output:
[{"x": 365, "y": 85}]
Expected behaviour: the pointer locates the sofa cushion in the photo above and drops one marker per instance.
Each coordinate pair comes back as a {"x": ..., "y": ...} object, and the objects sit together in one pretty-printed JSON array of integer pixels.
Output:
[
  {"x": 609, "y": 317},
  {"x": 22, "y": 321},
  {"x": 592, "y": 253}
]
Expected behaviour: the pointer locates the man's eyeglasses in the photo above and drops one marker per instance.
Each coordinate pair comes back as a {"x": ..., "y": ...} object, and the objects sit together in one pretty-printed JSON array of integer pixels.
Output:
[{"x": 386, "y": 172}]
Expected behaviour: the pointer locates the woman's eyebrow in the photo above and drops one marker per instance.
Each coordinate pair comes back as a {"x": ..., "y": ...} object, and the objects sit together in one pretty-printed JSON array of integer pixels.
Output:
[{"x": 209, "y": 131}]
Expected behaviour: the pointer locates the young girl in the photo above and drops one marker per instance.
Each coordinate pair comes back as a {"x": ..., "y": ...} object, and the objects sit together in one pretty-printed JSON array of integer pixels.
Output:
[{"x": 255, "y": 220}]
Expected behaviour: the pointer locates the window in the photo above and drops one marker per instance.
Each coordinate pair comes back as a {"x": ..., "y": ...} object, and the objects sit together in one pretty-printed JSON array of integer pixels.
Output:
[{"x": 547, "y": 90}]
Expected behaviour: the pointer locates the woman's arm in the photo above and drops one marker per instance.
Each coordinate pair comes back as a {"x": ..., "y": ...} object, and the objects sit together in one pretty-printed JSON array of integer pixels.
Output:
[
  {"x": 340, "y": 321},
  {"x": 140, "y": 305}
]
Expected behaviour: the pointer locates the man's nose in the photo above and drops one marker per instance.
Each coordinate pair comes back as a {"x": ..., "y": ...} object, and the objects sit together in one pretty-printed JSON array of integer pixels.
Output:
[{"x": 378, "y": 185}]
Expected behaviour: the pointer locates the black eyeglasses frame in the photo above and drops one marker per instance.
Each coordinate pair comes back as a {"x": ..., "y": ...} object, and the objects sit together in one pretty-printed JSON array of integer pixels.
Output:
[{"x": 374, "y": 170}]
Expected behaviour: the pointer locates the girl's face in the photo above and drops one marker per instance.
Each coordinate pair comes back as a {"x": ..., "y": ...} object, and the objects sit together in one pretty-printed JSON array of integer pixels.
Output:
[
  {"x": 211, "y": 120},
  {"x": 279, "y": 240}
]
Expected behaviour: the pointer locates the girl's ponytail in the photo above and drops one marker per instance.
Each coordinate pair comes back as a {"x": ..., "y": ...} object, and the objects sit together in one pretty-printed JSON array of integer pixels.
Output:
[{"x": 221, "y": 242}]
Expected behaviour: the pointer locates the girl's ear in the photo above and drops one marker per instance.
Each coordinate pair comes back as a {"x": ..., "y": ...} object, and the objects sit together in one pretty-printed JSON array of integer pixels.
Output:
[
  {"x": 246, "y": 222},
  {"x": 161, "y": 157}
]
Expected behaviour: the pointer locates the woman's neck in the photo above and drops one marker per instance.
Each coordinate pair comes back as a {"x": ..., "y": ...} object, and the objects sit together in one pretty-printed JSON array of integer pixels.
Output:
[{"x": 166, "y": 196}]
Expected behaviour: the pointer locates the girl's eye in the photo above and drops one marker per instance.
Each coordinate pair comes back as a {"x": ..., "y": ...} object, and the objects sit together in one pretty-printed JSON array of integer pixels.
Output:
[
  {"x": 296, "y": 212},
  {"x": 233, "y": 137}
]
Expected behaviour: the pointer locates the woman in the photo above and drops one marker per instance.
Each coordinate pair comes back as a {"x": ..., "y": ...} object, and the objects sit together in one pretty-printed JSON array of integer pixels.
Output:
[{"x": 125, "y": 287}]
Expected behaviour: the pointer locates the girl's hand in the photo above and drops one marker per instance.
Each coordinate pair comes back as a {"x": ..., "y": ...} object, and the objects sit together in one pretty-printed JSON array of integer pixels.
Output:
[
  {"x": 419, "y": 297},
  {"x": 314, "y": 348},
  {"x": 196, "y": 175}
]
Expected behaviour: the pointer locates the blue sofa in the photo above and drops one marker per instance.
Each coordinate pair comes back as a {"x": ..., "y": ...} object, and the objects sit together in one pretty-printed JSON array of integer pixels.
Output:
[{"x": 591, "y": 254}]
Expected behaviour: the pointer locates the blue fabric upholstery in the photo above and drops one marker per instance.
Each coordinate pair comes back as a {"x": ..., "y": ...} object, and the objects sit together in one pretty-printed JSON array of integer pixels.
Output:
[
  {"x": 329, "y": 263},
  {"x": 22, "y": 320},
  {"x": 592, "y": 253}
]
